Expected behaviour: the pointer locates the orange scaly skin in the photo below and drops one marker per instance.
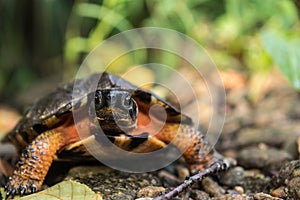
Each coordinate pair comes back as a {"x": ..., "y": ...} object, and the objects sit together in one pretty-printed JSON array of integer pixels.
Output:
[
  {"x": 34, "y": 163},
  {"x": 37, "y": 157},
  {"x": 190, "y": 141}
]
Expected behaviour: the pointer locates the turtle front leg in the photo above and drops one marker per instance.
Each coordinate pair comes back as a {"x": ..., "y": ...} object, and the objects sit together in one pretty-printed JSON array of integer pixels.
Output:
[
  {"x": 196, "y": 150},
  {"x": 34, "y": 163}
]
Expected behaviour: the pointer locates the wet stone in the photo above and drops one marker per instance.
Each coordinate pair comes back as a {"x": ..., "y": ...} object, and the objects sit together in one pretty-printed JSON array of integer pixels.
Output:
[
  {"x": 212, "y": 188},
  {"x": 267, "y": 159},
  {"x": 112, "y": 184},
  {"x": 251, "y": 136}
]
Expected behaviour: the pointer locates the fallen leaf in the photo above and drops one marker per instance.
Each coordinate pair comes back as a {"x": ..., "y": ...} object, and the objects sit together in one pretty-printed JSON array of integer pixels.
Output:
[{"x": 64, "y": 191}]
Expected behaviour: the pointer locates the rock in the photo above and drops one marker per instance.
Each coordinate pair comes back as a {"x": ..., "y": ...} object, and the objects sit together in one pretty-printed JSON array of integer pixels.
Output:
[
  {"x": 169, "y": 179},
  {"x": 212, "y": 188},
  {"x": 268, "y": 111},
  {"x": 242, "y": 113},
  {"x": 239, "y": 189},
  {"x": 198, "y": 194},
  {"x": 253, "y": 136},
  {"x": 112, "y": 184},
  {"x": 291, "y": 144},
  {"x": 234, "y": 176},
  {"x": 182, "y": 172},
  {"x": 279, "y": 192},
  {"x": 286, "y": 183},
  {"x": 263, "y": 196},
  {"x": 268, "y": 159},
  {"x": 151, "y": 191}
]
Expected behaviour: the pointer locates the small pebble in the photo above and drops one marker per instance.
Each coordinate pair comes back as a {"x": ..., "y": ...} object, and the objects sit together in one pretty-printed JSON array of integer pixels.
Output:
[
  {"x": 239, "y": 189},
  {"x": 279, "y": 192},
  {"x": 151, "y": 191},
  {"x": 263, "y": 196},
  {"x": 182, "y": 172},
  {"x": 233, "y": 177},
  {"x": 212, "y": 187},
  {"x": 168, "y": 178},
  {"x": 198, "y": 194}
]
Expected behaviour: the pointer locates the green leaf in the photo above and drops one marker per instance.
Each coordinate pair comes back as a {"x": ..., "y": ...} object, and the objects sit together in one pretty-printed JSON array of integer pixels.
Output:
[
  {"x": 64, "y": 190},
  {"x": 2, "y": 193},
  {"x": 286, "y": 54}
]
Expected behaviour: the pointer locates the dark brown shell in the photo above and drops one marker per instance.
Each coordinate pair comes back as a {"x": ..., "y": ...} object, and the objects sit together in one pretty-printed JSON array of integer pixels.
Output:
[{"x": 49, "y": 111}]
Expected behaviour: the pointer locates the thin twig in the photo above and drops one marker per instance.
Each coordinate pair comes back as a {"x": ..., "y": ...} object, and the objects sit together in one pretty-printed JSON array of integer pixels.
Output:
[{"x": 218, "y": 166}]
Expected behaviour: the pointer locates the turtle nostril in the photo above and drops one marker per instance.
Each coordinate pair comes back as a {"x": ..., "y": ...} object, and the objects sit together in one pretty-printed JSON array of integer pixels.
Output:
[{"x": 111, "y": 99}]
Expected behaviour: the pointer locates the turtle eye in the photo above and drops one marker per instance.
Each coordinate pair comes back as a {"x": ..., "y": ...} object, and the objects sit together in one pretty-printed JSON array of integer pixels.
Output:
[{"x": 126, "y": 101}]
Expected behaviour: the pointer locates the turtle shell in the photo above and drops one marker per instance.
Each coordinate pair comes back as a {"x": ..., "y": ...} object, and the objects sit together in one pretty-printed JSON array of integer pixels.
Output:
[{"x": 52, "y": 110}]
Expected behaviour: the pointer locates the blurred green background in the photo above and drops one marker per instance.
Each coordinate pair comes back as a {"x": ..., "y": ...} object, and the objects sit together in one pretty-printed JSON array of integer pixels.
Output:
[{"x": 43, "y": 42}]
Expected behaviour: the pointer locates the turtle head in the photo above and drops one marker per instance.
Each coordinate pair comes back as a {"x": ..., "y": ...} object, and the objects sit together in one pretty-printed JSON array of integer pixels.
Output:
[{"x": 116, "y": 111}]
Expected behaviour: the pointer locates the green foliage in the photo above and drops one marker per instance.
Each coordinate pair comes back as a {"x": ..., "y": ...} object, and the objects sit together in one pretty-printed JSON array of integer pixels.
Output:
[
  {"x": 50, "y": 38},
  {"x": 286, "y": 54}
]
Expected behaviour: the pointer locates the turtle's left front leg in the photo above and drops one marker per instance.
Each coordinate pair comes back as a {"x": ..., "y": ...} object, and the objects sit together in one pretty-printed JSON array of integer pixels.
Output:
[
  {"x": 34, "y": 163},
  {"x": 197, "y": 152}
]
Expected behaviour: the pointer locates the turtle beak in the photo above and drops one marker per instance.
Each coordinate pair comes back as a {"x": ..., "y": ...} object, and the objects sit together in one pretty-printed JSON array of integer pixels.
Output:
[{"x": 116, "y": 120}]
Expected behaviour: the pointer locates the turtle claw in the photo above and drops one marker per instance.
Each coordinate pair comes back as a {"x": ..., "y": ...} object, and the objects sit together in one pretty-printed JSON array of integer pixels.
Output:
[
  {"x": 11, "y": 192},
  {"x": 33, "y": 188},
  {"x": 17, "y": 185},
  {"x": 23, "y": 190}
]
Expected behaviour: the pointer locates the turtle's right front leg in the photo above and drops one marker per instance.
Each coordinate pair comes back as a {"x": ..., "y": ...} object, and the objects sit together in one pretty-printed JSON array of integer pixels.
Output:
[{"x": 34, "y": 163}]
